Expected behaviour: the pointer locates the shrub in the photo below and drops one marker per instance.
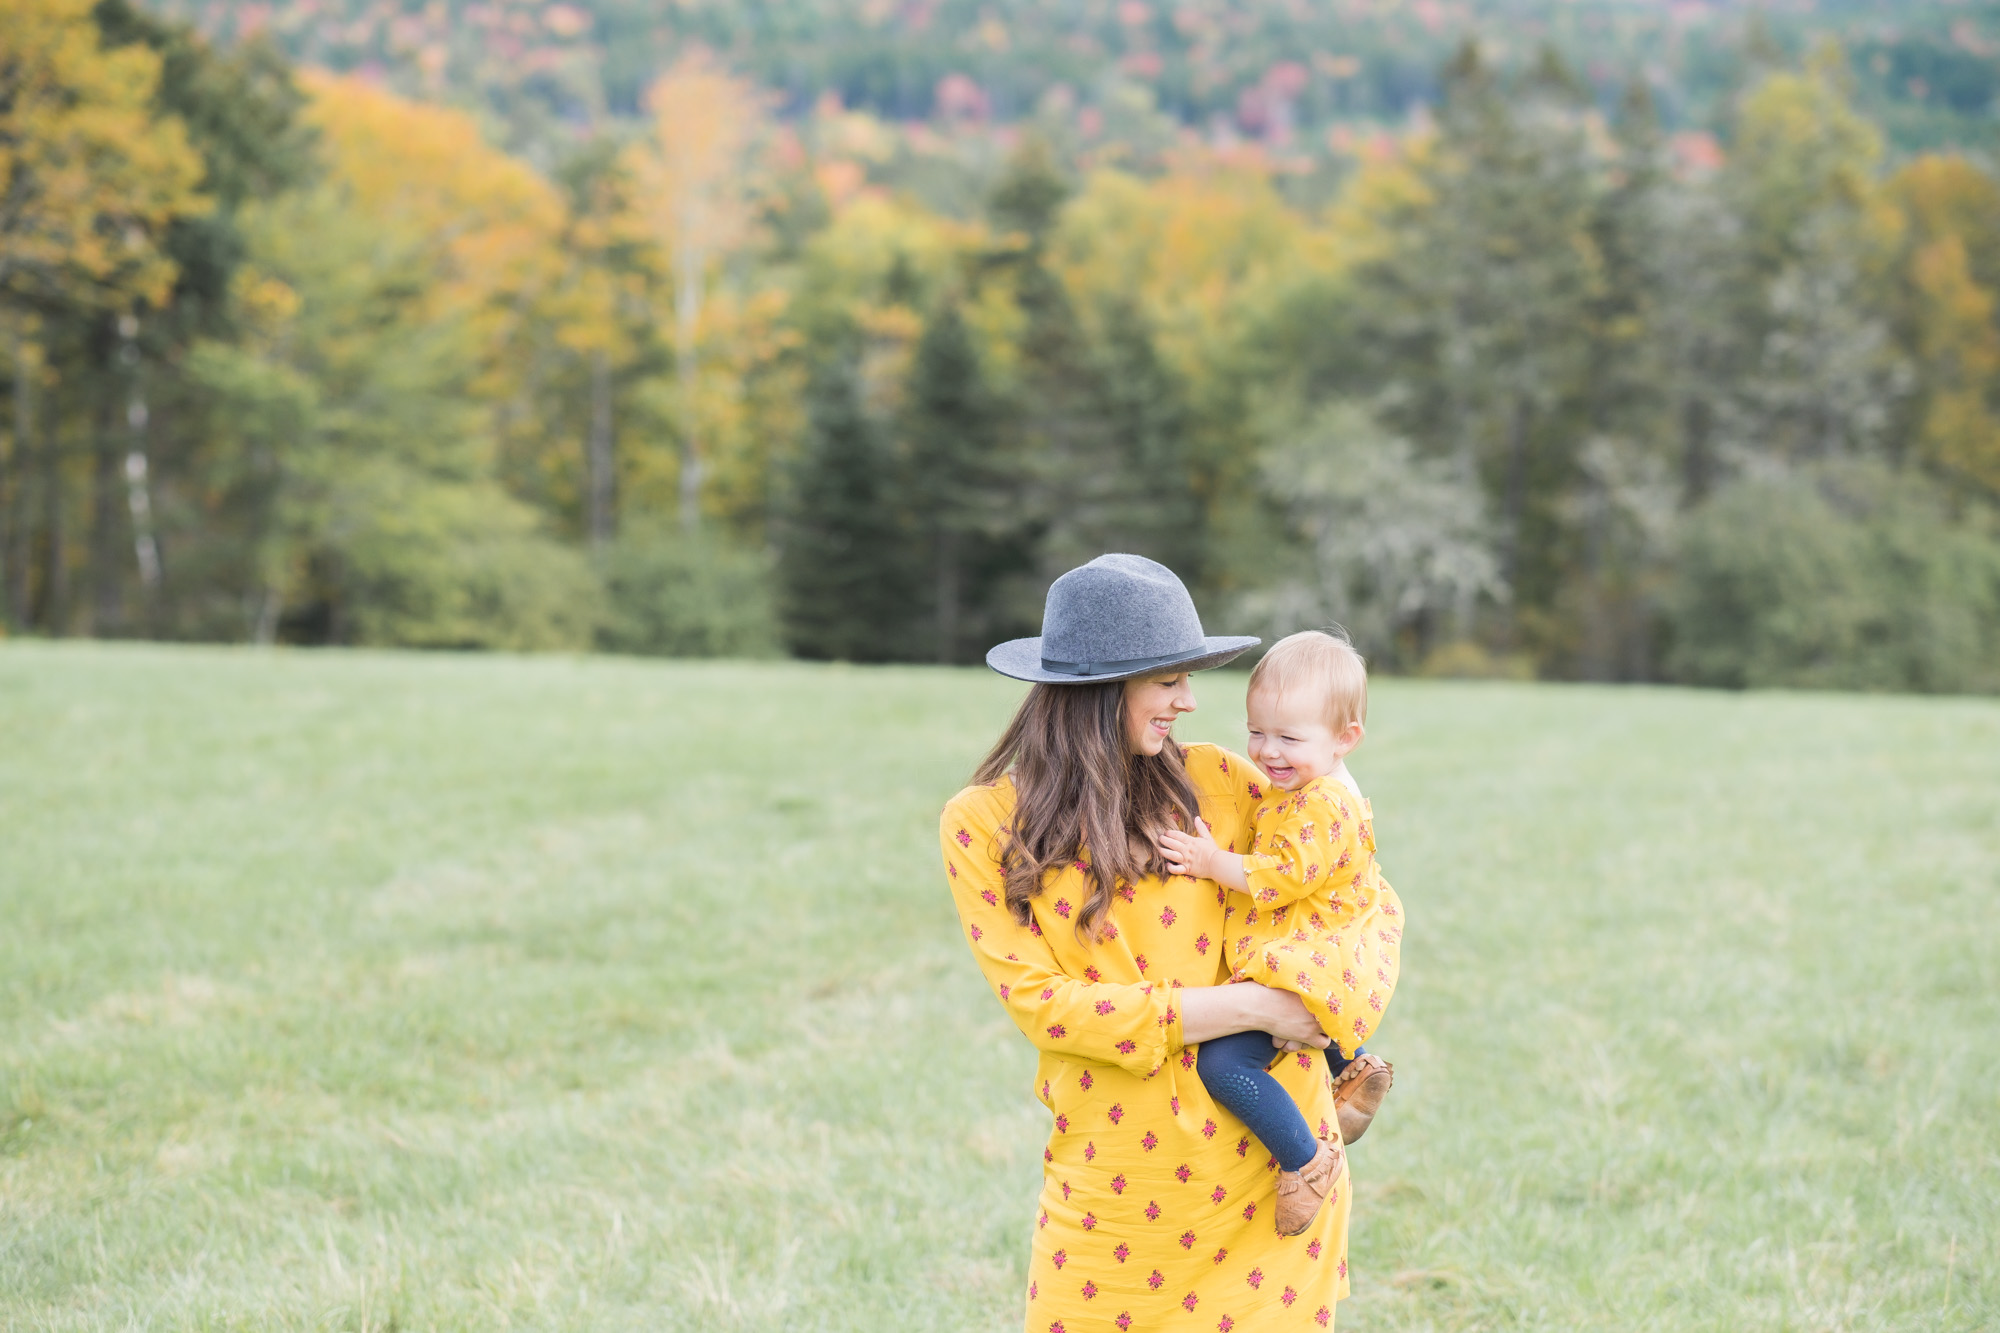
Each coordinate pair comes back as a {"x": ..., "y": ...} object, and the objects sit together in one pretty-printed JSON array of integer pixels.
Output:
[
  {"x": 1846, "y": 576},
  {"x": 672, "y": 595},
  {"x": 440, "y": 565}
]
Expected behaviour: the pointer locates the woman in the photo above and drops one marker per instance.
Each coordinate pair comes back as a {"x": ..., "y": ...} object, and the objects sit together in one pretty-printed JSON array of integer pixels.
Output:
[{"x": 1156, "y": 1205}]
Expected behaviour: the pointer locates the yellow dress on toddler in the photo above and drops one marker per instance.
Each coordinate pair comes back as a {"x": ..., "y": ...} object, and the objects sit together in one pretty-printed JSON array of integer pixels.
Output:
[{"x": 1316, "y": 917}]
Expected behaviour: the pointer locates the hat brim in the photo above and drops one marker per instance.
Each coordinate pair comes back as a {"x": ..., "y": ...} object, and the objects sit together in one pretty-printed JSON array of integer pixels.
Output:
[{"x": 1022, "y": 659}]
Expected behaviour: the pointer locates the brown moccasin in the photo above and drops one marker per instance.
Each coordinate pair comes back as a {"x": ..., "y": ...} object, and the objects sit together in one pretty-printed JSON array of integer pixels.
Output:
[
  {"x": 1301, "y": 1192},
  {"x": 1358, "y": 1093}
]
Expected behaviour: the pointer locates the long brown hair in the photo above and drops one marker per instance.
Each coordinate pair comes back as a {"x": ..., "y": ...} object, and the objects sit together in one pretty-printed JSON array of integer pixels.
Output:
[{"x": 1079, "y": 793}]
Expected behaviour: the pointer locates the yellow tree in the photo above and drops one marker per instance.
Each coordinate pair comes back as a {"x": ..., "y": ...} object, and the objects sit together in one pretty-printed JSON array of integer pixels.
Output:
[
  {"x": 1821, "y": 241},
  {"x": 597, "y": 316},
  {"x": 503, "y": 258},
  {"x": 1206, "y": 252},
  {"x": 1205, "y": 248},
  {"x": 1951, "y": 280},
  {"x": 695, "y": 202},
  {"x": 1803, "y": 154},
  {"x": 89, "y": 178},
  {"x": 587, "y": 324},
  {"x": 426, "y": 175},
  {"x": 89, "y": 175}
]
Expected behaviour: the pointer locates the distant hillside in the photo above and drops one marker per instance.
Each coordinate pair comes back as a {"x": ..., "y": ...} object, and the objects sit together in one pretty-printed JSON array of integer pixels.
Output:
[{"x": 1278, "y": 70}]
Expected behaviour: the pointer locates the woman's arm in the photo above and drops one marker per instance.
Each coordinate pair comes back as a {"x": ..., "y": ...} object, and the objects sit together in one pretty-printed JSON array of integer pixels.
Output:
[
  {"x": 1134, "y": 1026},
  {"x": 1208, "y": 1012}
]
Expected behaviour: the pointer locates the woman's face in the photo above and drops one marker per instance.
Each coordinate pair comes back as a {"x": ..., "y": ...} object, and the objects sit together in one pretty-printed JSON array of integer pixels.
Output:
[{"x": 1151, "y": 705}]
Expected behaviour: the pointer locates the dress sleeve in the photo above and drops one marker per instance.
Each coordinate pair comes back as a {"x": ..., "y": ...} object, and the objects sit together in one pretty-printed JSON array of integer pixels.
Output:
[
  {"x": 1366, "y": 964},
  {"x": 1315, "y": 845},
  {"x": 1343, "y": 958},
  {"x": 1133, "y": 1026},
  {"x": 1243, "y": 783}
]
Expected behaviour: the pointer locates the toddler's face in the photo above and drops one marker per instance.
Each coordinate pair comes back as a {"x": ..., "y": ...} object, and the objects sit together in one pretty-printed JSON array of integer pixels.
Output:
[{"x": 1291, "y": 741}]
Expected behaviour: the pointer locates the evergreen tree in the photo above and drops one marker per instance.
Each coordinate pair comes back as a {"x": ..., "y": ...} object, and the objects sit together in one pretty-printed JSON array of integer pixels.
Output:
[
  {"x": 1677, "y": 277},
  {"x": 1154, "y": 510},
  {"x": 962, "y": 494},
  {"x": 1065, "y": 443},
  {"x": 1054, "y": 433},
  {"x": 1030, "y": 192},
  {"x": 1480, "y": 323},
  {"x": 849, "y": 587},
  {"x": 1100, "y": 420},
  {"x": 1651, "y": 323}
]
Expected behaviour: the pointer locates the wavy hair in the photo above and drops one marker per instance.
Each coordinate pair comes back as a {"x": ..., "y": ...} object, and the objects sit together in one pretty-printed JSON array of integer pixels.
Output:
[{"x": 1081, "y": 795}]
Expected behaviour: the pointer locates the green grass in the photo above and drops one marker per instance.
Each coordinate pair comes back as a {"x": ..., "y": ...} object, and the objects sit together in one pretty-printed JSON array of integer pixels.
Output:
[{"x": 345, "y": 991}]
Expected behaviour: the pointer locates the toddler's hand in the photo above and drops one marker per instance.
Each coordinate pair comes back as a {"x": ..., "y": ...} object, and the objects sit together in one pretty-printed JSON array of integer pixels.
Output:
[{"x": 1188, "y": 853}]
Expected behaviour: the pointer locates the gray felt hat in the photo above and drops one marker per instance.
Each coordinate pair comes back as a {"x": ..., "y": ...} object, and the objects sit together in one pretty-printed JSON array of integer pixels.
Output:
[{"x": 1118, "y": 616}]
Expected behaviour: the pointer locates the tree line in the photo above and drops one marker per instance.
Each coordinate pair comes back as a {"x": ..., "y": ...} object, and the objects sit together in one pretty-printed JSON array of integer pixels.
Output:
[
  {"x": 1280, "y": 73},
  {"x": 1539, "y": 388}
]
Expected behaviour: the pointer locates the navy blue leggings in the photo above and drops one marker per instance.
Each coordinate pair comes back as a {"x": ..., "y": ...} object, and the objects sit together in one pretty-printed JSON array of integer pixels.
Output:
[{"x": 1232, "y": 1069}]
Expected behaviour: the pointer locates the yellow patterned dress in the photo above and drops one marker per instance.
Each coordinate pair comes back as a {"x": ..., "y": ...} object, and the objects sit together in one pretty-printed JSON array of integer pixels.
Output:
[
  {"x": 1316, "y": 917},
  {"x": 1156, "y": 1208}
]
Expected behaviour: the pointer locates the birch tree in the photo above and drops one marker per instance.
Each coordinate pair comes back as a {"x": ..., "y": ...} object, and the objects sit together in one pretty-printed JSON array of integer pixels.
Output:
[
  {"x": 694, "y": 199},
  {"x": 90, "y": 177}
]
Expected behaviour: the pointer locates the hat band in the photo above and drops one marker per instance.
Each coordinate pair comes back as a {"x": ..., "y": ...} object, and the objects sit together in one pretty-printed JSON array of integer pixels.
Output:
[{"x": 1128, "y": 665}]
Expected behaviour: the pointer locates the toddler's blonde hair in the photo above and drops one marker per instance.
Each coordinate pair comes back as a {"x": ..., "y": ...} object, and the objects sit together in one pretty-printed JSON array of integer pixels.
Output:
[{"x": 1323, "y": 663}]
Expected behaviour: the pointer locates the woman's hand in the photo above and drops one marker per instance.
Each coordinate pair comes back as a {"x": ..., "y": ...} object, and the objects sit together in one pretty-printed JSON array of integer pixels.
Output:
[
  {"x": 1208, "y": 1012},
  {"x": 1190, "y": 853},
  {"x": 1292, "y": 1025}
]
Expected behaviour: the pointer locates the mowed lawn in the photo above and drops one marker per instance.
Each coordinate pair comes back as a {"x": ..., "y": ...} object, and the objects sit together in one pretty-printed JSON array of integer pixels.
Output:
[{"x": 354, "y": 991}]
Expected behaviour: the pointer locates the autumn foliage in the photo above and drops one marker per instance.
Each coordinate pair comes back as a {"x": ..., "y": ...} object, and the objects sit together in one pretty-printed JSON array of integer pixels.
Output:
[{"x": 297, "y": 357}]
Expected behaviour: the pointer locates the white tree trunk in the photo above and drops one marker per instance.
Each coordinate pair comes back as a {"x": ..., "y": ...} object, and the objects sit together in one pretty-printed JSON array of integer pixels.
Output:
[
  {"x": 599, "y": 463},
  {"x": 13, "y": 536},
  {"x": 690, "y": 264}
]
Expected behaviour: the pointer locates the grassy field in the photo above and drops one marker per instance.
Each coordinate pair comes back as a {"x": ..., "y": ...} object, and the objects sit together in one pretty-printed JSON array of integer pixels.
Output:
[{"x": 344, "y": 991}]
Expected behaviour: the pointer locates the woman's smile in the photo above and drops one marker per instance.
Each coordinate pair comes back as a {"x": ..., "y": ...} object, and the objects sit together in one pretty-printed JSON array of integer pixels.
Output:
[{"x": 1152, "y": 703}]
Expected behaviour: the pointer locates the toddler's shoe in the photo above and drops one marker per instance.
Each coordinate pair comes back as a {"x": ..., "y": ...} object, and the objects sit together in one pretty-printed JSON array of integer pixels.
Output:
[
  {"x": 1358, "y": 1093},
  {"x": 1301, "y": 1192}
]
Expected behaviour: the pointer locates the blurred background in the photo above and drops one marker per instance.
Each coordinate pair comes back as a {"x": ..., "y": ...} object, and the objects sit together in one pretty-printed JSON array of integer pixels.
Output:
[
  {"x": 1579, "y": 339},
  {"x": 556, "y": 988}
]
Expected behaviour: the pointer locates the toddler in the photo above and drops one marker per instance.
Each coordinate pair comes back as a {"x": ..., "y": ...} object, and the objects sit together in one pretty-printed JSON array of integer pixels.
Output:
[{"x": 1308, "y": 910}]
